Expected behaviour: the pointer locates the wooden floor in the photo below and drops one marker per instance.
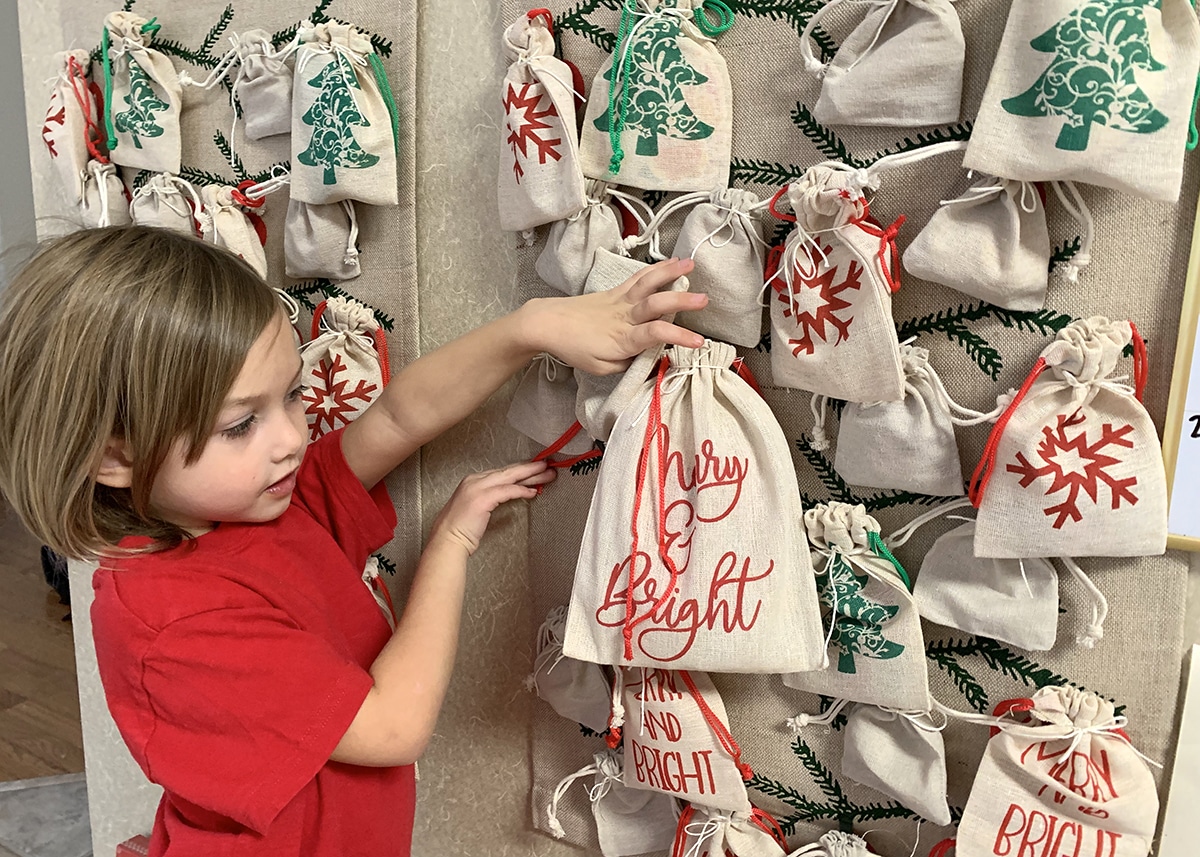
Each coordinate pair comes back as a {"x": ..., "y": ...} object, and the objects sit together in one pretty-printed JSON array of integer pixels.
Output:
[{"x": 39, "y": 697}]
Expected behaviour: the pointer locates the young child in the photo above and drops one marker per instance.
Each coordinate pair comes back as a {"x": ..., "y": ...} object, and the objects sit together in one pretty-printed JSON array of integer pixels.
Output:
[{"x": 151, "y": 415}]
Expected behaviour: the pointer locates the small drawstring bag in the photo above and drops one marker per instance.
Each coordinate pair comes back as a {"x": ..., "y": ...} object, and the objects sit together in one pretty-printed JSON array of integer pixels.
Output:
[
  {"x": 835, "y": 843},
  {"x": 875, "y": 652},
  {"x": 1097, "y": 92},
  {"x": 575, "y": 689},
  {"x": 540, "y": 177},
  {"x": 660, "y": 112},
  {"x": 379, "y": 592},
  {"x": 1067, "y": 773},
  {"x": 321, "y": 240},
  {"x": 571, "y": 244},
  {"x": 344, "y": 132},
  {"x": 345, "y": 364},
  {"x": 167, "y": 201},
  {"x": 707, "y": 832},
  {"x": 902, "y": 66},
  {"x": 71, "y": 130},
  {"x": 1073, "y": 467},
  {"x": 543, "y": 407},
  {"x": 676, "y": 568},
  {"x": 105, "y": 200},
  {"x": 628, "y": 821},
  {"x": 224, "y": 222},
  {"x": 142, "y": 97}
]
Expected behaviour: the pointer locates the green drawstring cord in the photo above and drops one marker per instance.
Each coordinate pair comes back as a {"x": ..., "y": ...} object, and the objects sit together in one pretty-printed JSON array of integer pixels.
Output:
[
  {"x": 385, "y": 90},
  {"x": 724, "y": 15},
  {"x": 881, "y": 550},
  {"x": 149, "y": 27},
  {"x": 622, "y": 54},
  {"x": 1193, "y": 132}
]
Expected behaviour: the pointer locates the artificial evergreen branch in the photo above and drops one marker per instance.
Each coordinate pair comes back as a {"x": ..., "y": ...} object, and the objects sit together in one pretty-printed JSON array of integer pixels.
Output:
[
  {"x": 891, "y": 499},
  {"x": 302, "y": 292},
  {"x": 971, "y": 689},
  {"x": 654, "y": 198},
  {"x": 231, "y": 157},
  {"x": 951, "y": 324},
  {"x": 835, "y": 484},
  {"x": 764, "y": 344},
  {"x": 819, "y": 773},
  {"x": 200, "y": 177},
  {"x": 829, "y": 143},
  {"x": 1043, "y": 321},
  {"x": 386, "y": 564},
  {"x": 796, "y": 14},
  {"x": 948, "y": 134},
  {"x": 222, "y": 24},
  {"x": 128, "y": 7},
  {"x": 587, "y": 465},
  {"x": 1065, "y": 252},
  {"x": 576, "y": 21},
  {"x": 779, "y": 236},
  {"x": 755, "y": 171}
]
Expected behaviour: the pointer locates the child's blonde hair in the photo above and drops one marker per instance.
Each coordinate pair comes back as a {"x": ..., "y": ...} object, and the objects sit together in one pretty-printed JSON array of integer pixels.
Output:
[{"x": 131, "y": 332}]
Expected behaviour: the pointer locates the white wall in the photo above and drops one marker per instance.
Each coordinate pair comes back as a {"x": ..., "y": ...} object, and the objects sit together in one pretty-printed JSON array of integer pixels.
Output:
[{"x": 16, "y": 187}]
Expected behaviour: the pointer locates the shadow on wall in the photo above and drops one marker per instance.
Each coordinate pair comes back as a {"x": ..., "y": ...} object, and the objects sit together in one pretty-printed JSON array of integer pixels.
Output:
[{"x": 17, "y": 234}]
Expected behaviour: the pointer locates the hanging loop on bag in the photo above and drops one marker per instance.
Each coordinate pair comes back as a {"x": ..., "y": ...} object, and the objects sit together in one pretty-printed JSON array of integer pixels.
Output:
[
  {"x": 1141, "y": 362},
  {"x": 724, "y": 17},
  {"x": 889, "y": 253},
  {"x": 987, "y": 462},
  {"x": 91, "y": 127},
  {"x": 724, "y": 736},
  {"x": 545, "y": 15}
]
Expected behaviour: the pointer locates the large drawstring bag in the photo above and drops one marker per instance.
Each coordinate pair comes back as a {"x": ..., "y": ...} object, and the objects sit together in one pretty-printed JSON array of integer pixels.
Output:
[
  {"x": 676, "y": 568},
  {"x": 321, "y": 240},
  {"x": 1098, "y": 91},
  {"x": 345, "y": 364},
  {"x": 723, "y": 236},
  {"x": 628, "y": 821},
  {"x": 876, "y": 653},
  {"x": 71, "y": 130},
  {"x": 543, "y": 408},
  {"x": 105, "y": 201},
  {"x": 540, "y": 177},
  {"x": 901, "y": 66},
  {"x": 708, "y": 832},
  {"x": 571, "y": 244},
  {"x": 902, "y": 755},
  {"x": 225, "y": 223},
  {"x": 1067, "y": 774},
  {"x": 660, "y": 112},
  {"x": 168, "y": 202},
  {"x": 344, "y": 132},
  {"x": 142, "y": 96},
  {"x": 831, "y": 297},
  {"x": 575, "y": 689},
  {"x": 1073, "y": 466}
]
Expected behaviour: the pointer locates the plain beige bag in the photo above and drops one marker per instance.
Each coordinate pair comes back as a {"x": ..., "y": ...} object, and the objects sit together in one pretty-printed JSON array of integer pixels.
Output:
[
  {"x": 575, "y": 689},
  {"x": 225, "y": 223},
  {"x": 105, "y": 202},
  {"x": 566, "y": 259},
  {"x": 543, "y": 408},
  {"x": 321, "y": 240},
  {"x": 707, "y": 832},
  {"x": 167, "y": 201}
]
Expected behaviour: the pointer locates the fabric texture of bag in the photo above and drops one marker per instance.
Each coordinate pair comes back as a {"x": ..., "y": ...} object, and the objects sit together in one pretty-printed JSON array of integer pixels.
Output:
[
  {"x": 321, "y": 240},
  {"x": 142, "y": 98},
  {"x": 105, "y": 201},
  {"x": 225, "y": 223},
  {"x": 1070, "y": 768},
  {"x": 707, "y": 832},
  {"x": 1094, "y": 91},
  {"x": 343, "y": 119},
  {"x": 991, "y": 243},
  {"x": 575, "y": 689},
  {"x": 71, "y": 127},
  {"x": 263, "y": 86},
  {"x": 831, "y": 306},
  {"x": 724, "y": 238},
  {"x": 543, "y": 407},
  {"x": 1073, "y": 466},
  {"x": 566, "y": 260},
  {"x": 900, "y": 754},
  {"x": 669, "y": 124},
  {"x": 876, "y": 648},
  {"x": 901, "y": 66},
  {"x": 540, "y": 177},
  {"x": 345, "y": 364},
  {"x": 688, "y": 472},
  {"x": 166, "y": 201}
]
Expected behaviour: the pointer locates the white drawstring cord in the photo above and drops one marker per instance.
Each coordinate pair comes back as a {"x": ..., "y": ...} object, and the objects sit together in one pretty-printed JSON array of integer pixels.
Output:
[
  {"x": 803, "y": 720},
  {"x": 820, "y": 440},
  {"x": 556, "y": 829},
  {"x": 293, "y": 306},
  {"x": 1094, "y": 632},
  {"x": 902, "y": 535},
  {"x": 651, "y": 232},
  {"x": 351, "y": 255},
  {"x": 1078, "y": 209},
  {"x": 704, "y": 831}
]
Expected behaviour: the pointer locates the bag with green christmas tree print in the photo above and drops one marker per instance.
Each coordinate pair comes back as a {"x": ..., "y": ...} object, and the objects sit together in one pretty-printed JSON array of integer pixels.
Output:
[
  {"x": 875, "y": 651},
  {"x": 167, "y": 201},
  {"x": 706, "y": 832},
  {"x": 321, "y": 240},
  {"x": 571, "y": 244},
  {"x": 344, "y": 133},
  {"x": 105, "y": 200},
  {"x": 142, "y": 97},
  {"x": 345, "y": 364},
  {"x": 915, "y": 46},
  {"x": 667, "y": 121},
  {"x": 225, "y": 223},
  {"x": 71, "y": 128},
  {"x": 543, "y": 408},
  {"x": 1073, "y": 466},
  {"x": 1096, "y": 91}
]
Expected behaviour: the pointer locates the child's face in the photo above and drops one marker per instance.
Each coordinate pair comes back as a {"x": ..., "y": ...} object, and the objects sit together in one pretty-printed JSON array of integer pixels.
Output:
[{"x": 248, "y": 468}]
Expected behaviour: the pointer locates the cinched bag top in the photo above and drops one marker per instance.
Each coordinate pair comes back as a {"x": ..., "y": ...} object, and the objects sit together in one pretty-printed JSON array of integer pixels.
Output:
[
  {"x": 826, "y": 198},
  {"x": 527, "y": 38},
  {"x": 348, "y": 315},
  {"x": 335, "y": 34},
  {"x": 735, "y": 198},
  {"x": 1088, "y": 349},
  {"x": 840, "y": 526},
  {"x": 127, "y": 30},
  {"x": 1072, "y": 708},
  {"x": 711, "y": 355}
]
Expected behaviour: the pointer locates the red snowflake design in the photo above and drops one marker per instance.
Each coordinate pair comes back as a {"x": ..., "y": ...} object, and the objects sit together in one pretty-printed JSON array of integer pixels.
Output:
[
  {"x": 329, "y": 401},
  {"x": 1086, "y": 476},
  {"x": 53, "y": 117},
  {"x": 820, "y": 279},
  {"x": 524, "y": 121}
]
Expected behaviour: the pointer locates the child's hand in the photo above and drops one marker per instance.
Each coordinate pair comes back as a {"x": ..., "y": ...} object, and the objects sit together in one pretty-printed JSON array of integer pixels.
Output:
[
  {"x": 465, "y": 517},
  {"x": 600, "y": 332}
]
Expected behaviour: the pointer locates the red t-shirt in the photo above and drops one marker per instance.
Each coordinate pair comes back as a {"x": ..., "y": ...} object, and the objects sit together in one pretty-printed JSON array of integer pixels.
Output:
[{"x": 233, "y": 665}]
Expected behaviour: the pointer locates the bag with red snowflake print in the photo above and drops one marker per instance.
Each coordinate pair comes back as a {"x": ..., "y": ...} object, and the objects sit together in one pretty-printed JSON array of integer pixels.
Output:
[
  {"x": 321, "y": 240},
  {"x": 1073, "y": 466},
  {"x": 991, "y": 243},
  {"x": 1092, "y": 91},
  {"x": 831, "y": 296},
  {"x": 1067, "y": 775},
  {"x": 142, "y": 97},
  {"x": 105, "y": 200},
  {"x": 540, "y": 177},
  {"x": 707, "y": 832},
  {"x": 225, "y": 223},
  {"x": 668, "y": 124},
  {"x": 543, "y": 407},
  {"x": 915, "y": 46},
  {"x": 71, "y": 130},
  {"x": 575, "y": 689},
  {"x": 345, "y": 364},
  {"x": 875, "y": 648},
  {"x": 724, "y": 237},
  {"x": 344, "y": 131},
  {"x": 571, "y": 245},
  {"x": 168, "y": 202}
]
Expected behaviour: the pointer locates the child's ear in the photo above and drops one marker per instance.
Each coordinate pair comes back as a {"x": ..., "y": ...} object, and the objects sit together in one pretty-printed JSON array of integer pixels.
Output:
[{"x": 116, "y": 464}]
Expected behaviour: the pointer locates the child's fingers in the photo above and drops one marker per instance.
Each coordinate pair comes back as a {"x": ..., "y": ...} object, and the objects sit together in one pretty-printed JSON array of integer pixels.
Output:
[
  {"x": 546, "y": 476},
  {"x": 501, "y": 494},
  {"x": 649, "y": 280},
  {"x": 665, "y": 303},
  {"x": 514, "y": 473},
  {"x": 654, "y": 332}
]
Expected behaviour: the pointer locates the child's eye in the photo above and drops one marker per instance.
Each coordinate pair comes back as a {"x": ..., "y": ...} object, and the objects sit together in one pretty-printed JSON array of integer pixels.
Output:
[
  {"x": 239, "y": 430},
  {"x": 297, "y": 393}
]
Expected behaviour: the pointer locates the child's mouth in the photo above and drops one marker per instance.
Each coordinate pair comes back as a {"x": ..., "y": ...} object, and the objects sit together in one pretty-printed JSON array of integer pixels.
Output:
[{"x": 284, "y": 485}]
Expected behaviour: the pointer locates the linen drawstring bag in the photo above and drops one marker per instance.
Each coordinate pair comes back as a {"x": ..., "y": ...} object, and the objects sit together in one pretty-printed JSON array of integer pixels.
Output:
[
  {"x": 875, "y": 649},
  {"x": 831, "y": 297},
  {"x": 540, "y": 177},
  {"x": 676, "y": 569},
  {"x": 723, "y": 236},
  {"x": 1098, "y": 91},
  {"x": 1067, "y": 775},
  {"x": 321, "y": 240},
  {"x": 901, "y": 66},
  {"x": 71, "y": 130},
  {"x": 225, "y": 223},
  {"x": 105, "y": 201},
  {"x": 142, "y": 97},
  {"x": 167, "y": 201},
  {"x": 1073, "y": 466},
  {"x": 379, "y": 590},
  {"x": 575, "y": 689},
  {"x": 907, "y": 445},
  {"x": 628, "y": 821},
  {"x": 571, "y": 245},
  {"x": 660, "y": 112},
  {"x": 707, "y": 832},
  {"x": 344, "y": 132},
  {"x": 543, "y": 408},
  {"x": 835, "y": 843},
  {"x": 902, "y": 755},
  {"x": 345, "y": 364},
  {"x": 990, "y": 243}
]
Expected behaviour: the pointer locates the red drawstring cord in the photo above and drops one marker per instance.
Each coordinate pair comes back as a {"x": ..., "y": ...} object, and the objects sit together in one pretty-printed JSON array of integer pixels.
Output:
[
  {"x": 378, "y": 337},
  {"x": 75, "y": 74},
  {"x": 239, "y": 196},
  {"x": 378, "y": 583},
  {"x": 790, "y": 218},
  {"x": 724, "y": 736},
  {"x": 987, "y": 462},
  {"x": 316, "y": 321},
  {"x": 1007, "y": 706},
  {"x": 680, "y": 843},
  {"x": 1141, "y": 362},
  {"x": 743, "y": 371},
  {"x": 767, "y": 823},
  {"x": 545, "y": 15},
  {"x": 889, "y": 253},
  {"x": 942, "y": 848},
  {"x": 556, "y": 447}
]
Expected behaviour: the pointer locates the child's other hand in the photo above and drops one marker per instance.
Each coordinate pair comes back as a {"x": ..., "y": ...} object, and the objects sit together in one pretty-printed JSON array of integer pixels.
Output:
[
  {"x": 599, "y": 333},
  {"x": 464, "y": 518}
]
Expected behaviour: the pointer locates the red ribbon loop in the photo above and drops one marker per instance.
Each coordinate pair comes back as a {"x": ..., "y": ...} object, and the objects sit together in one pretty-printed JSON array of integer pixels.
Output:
[
  {"x": 790, "y": 218},
  {"x": 987, "y": 462},
  {"x": 545, "y": 15},
  {"x": 1141, "y": 362}
]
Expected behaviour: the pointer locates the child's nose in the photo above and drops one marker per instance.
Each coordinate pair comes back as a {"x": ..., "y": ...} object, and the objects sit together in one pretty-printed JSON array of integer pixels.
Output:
[{"x": 291, "y": 436}]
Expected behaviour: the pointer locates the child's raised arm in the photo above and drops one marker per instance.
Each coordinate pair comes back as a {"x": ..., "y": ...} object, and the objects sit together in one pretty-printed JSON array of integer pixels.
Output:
[{"x": 598, "y": 333}]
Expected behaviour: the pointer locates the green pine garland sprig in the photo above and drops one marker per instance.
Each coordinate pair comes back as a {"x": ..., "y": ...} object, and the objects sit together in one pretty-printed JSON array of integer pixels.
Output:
[
  {"x": 1065, "y": 252},
  {"x": 382, "y": 46},
  {"x": 795, "y": 13},
  {"x": 948, "y": 134},
  {"x": 201, "y": 177},
  {"x": 836, "y": 486},
  {"x": 654, "y": 198},
  {"x": 203, "y": 55},
  {"x": 231, "y": 157},
  {"x": 756, "y": 171},
  {"x": 222, "y": 24},
  {"x": 966, "y": 683},
  {"x": 891, "y": 499},
  {"x": 263, "y": 175},
  {"x": 952, "y": 324},
  {"x": 128, "y": 5},
  {"x": 576, "y": 20},
  {"x": 386, "y": 564},
  {"x": 304, "y": 290},
  {"x": 829, "y": 143},
  {"x": 587, "y": 465}
]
